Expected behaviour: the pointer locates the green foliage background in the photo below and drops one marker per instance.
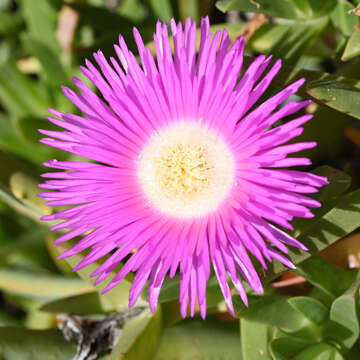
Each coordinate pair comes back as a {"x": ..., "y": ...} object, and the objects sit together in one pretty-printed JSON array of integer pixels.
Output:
[{"x": 312, "y": 313}]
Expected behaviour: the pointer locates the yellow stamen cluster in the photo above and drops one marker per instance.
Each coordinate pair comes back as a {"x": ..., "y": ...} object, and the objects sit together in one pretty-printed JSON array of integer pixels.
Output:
[{"x": 185, "y": 170}]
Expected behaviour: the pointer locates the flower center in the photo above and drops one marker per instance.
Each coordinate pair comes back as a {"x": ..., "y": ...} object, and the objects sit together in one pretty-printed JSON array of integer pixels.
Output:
[{"x": 186, "y": 170}]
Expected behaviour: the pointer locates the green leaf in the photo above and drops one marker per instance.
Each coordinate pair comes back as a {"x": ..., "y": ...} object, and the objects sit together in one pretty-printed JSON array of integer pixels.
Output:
[
  {"x": 352, "y": 48},
  {"x": 20, "y": 95},
  {"x": 4, "y": 4},
  {"x": 102, "y": 19},
  {"x": 134, "y": 10},
  {"x": 276, "y": 8},
  {"x": 286, "y": 348},
  {"x": 294, "y": 9},
  {"x": 83, "y": 304},
  {"x": 162, "y": 9},
  {"x": 254, "y": 340},
  {"x": 339, "y": 182},
  {"x": 327, "y": 129},
  {"x": 285, "y": 41},
  {"x": 213, "y": 293},
  {"x": 140, "y": 337},
  {"x": 344, "y": 324},
  {"x": 289, "y": 74},
  {"x": 25, "y": 188},
  {"x": 28, "y": 128},
  {"x": 303, "y": 6},
  {"x": 10, "y": 23},
  {"x": 271, "y": 311},
  {"x": 23, "y": 195},
  {"x": 8, "y": 198},
  {"x": 38, "y": 320},
  {"x": 53, "y": 253},
  {"x": 336, "y": 280},
  {"x": 354, "y": 352},
  {"x": 171, "y": 312},
  {"x": 25, "y": 243},
  {"x": 328, "y": 195},
  {"x": 319, "y": 8},
  {"x": 117, "y": 298},
  {"x": 291, "y": 46},
  {"x": 19, "y": 344},
  {"x": 41, "y": 286},
  {"x": 322, "y": 351},
  {"x": 337, "y": 95},
  {"x": 267, "y": 36},
  {"x": 200, "y": 339},
  {"x": 188, "y": 8},
  {"x": 311, "y": 308},
  {"x": 41, "y": 19},
  {"x": 10, "y": 141},
  {"x": 18, "y": 188},
  {"x": 52, "y": 70},
  {"x": 334, "y": 225},
  {"x": 8, "y": 320},
  {"x": 233, "y": 30},
  {"x": 342, "y": 19}
]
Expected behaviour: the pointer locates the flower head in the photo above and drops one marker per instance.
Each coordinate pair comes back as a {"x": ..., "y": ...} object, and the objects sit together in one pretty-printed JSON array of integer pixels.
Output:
[{"x": 187, "y": 168}]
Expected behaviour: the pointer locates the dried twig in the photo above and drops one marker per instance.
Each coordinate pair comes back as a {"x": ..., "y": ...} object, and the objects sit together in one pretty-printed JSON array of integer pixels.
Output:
[{"x": 250, "y": 28}]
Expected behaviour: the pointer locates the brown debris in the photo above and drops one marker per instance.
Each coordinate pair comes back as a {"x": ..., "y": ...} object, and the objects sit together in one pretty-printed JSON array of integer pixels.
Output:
[
  {"x": 294, "y": 280},
  {"x": 356, "y": 10},
  {"x": 344, "y": 253},
  {"x": 252, "y": 26},
  {"x": 67, "y": 23}
]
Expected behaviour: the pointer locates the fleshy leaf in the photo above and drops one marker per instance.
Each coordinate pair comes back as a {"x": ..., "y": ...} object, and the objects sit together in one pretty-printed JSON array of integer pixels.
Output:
[
  {"x": 254, "y": 340},
  {"x": 337, "y": 95},
  {"x": 83, "y": 304},
  {"x": 196, "y": 339},
  {"x": 52, "y": 69},
  {"x": 272, "y": 311},
  {"x": 188, "y": 8},
  {"x": 291, "y": 348},
  {"x": 328, "y": 196},
  {"x": 311, "y": 308},
  {"x": 342, "y": 17},
  {"x": 41, "y": 19},
  {"x": 40, "y": 285},
  {"x": 162, "y": 9},
  {"x": 336, "y": 281},
  {"x": 117, "y": 298},
  {"x": 352, "y": 48},
  {"x": 19, "y": 343},
  {"x": 274, "y": 8},
  {"x": 19, "y": 94},
  {"x": 344, "y": 322},
  {"x": 291, "y": 46},
  {"x": 140, "y": 337},
  {"x": 334, "y": 225}
]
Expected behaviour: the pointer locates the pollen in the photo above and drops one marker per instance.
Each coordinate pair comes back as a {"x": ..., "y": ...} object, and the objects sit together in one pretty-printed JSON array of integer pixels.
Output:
[{"x": 186, "y": 170}]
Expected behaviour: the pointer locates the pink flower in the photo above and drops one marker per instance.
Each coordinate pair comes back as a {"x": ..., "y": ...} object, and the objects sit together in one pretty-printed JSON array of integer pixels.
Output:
[{"x": 187, "y": 171}]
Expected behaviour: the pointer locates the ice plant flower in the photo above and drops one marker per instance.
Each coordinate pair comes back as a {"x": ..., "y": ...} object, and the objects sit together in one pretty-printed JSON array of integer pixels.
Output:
[{"x": 187, "y": 171}]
